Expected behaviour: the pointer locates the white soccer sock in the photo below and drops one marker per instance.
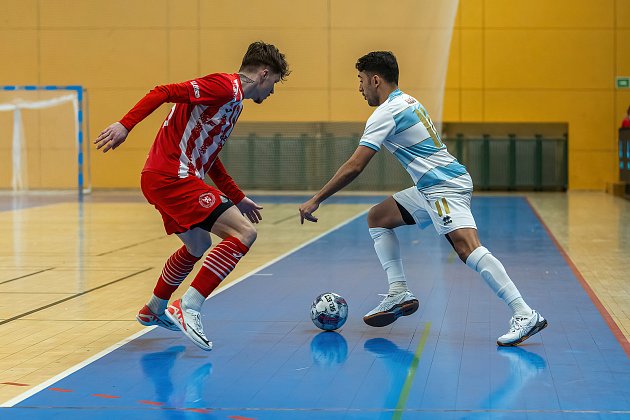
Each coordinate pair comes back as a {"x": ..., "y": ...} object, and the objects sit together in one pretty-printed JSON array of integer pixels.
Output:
[
  {"x": 388, "y": 251},
  {"x": 157, "y": 305},
  {"x": 519, "y": 307},
  {"x": 495, "y": 276},
  {"x": 192, "y": 299}
]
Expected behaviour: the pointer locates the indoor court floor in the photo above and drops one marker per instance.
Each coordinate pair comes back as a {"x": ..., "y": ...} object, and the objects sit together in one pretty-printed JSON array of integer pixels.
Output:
[{"x": 74, "y": 274}]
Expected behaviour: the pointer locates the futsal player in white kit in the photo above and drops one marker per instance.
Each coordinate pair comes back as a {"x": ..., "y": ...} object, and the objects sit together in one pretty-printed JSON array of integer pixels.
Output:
[{"x": 441, "y": 196}]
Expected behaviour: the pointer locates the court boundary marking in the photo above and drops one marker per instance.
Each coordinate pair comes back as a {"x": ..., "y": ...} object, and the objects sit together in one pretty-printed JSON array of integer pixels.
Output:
[
  {"x": 614, "y": 328},
  {"x": 17, "y": 399}
]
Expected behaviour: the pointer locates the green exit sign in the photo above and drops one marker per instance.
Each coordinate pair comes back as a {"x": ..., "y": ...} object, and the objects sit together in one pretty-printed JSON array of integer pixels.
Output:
[{"x": 623, "y": 82}]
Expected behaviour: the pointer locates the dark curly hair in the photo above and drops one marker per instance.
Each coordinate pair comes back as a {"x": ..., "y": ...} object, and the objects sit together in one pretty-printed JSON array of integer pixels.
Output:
[
  {"x": 262, "y": 54},
  {"x": 382, "y": 63}
]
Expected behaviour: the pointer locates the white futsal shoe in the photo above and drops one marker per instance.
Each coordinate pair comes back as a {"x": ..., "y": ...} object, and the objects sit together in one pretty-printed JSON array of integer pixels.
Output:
[
  {"x": 391, "y": 308},
  {"x": 521, "y": 328},
  {"x": 189, "y": 321}
]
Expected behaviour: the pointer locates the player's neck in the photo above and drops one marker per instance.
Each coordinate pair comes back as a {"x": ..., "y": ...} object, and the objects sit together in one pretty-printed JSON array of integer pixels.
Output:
[
  {"x": 384, "y": 93},
  {"x": 248, "y": 83}
]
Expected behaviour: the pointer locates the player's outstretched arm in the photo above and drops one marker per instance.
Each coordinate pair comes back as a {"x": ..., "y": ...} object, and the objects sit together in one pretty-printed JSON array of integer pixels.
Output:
[
  {"x": 344, "y": 176},
  {"x": 111, "y": 137},
  {"x": 115, "y": 134}
]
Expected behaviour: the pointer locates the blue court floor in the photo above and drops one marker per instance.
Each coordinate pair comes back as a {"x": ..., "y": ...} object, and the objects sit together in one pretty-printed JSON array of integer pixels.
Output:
[{"x": 270, "y": 362}]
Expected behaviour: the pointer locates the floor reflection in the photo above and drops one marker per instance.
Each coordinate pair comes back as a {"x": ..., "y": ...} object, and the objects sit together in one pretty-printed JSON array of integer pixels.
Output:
[
  {"x": 397, "y": 361},
  {"x": 524, "y": 366},
  {"x": 511, "y": 394},
  {"x": 161, "y": 368},
  {"x": 329, "y": 348}
]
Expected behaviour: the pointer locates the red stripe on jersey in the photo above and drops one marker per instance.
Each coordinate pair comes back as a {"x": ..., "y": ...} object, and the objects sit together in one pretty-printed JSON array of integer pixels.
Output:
[{"x": 195, "y": 130}]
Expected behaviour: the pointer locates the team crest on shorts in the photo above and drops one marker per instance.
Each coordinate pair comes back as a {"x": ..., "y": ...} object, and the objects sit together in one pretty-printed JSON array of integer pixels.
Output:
[{"x": 207, "y": 200}]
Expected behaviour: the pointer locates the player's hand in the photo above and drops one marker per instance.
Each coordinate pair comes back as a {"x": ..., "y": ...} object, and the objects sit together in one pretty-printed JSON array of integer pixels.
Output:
[
  {"x": 111, "y": 137},
  {"x": 250, "y": 210},
  {"x": 306, "y": 211}
]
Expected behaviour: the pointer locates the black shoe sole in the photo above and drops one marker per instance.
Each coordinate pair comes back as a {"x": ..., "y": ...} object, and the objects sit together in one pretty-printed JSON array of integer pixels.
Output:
[
  {"x": 537, "y": 328},
  {"x": 382, "y": 319}
]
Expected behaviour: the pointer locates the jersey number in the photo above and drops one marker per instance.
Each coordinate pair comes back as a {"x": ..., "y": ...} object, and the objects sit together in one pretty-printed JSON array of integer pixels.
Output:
[{"x": 428, "y": 124}]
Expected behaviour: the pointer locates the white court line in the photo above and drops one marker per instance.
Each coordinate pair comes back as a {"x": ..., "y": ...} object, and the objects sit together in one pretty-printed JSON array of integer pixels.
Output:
[
  {"x": 286, "y": 254},
  {"x": 70, "y": 371}
]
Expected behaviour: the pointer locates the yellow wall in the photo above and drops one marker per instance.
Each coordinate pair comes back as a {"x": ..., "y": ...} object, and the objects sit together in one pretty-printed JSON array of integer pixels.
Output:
[
  {"x": 534, "y": 61},
  {"x": 545, "y": 61}
]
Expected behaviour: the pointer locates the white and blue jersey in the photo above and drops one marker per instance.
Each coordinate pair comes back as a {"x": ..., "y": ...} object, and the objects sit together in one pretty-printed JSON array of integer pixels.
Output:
[{"x": 404, "y": 127}]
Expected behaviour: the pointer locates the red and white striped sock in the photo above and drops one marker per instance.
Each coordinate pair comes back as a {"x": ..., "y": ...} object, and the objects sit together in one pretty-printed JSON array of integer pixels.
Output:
[
  {"x": 177, "y": 267},
  {"x": 218, "y": 264}
]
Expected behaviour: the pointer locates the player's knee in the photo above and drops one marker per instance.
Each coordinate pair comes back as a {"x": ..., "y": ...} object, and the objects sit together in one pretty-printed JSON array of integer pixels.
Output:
[
  {"x": 375, "y": 218},
  {"x": 463, "y": 249},
  {"x": 247, "y": 235},
  {"x": 463, "y": 254}
]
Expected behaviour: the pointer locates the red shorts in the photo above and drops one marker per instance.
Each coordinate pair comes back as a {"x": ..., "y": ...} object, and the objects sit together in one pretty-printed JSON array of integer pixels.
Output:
[{"x": 182, "y": 202}]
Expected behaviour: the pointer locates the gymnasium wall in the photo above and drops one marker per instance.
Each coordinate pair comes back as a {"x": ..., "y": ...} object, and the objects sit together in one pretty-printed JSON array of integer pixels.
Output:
[
  {"x": 535, "y": 61},
  {"x": 546, "y": 61}
]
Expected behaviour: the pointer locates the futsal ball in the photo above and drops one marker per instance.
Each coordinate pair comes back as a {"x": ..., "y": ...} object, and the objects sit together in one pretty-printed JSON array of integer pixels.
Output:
[{"x": 329, "y": 311}]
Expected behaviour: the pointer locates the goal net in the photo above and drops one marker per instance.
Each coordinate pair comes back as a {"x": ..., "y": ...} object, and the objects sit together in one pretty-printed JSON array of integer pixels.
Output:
[{"x": 41, "y": 138}]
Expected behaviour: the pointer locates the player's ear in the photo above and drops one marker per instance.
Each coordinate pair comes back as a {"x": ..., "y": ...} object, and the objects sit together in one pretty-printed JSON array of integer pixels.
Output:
[{"x": 376, "y": 80}]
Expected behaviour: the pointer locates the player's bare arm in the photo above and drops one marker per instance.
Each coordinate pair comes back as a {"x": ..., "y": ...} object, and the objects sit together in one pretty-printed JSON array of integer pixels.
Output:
[
  {"x": 111, "y": 137},
  {"x": 344, "y": 176}
]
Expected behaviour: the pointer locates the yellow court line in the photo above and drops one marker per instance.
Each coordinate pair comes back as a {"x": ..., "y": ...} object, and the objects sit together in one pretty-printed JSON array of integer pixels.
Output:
[{"x": 404, "y": 393}]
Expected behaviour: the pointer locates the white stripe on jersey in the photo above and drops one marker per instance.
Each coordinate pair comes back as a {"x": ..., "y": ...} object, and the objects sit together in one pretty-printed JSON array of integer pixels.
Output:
[
  {"x": 403, "y": 126},
  {"x": 199, "y": 155},
  {"x": 184, "y": 162}
]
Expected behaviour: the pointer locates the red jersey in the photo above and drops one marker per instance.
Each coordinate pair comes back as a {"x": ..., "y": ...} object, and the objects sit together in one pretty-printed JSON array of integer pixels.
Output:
[{"x": 194, "y": 132}]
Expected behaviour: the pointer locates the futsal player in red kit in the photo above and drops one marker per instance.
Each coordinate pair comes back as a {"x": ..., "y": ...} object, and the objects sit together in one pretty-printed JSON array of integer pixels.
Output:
[{"x": 185, "y": 149}]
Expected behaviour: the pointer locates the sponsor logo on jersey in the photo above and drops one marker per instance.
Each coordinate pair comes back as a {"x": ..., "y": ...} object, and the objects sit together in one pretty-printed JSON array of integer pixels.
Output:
[
  {"x": 195, "y": 88},
  {"x": 207, "y": 200},
  {"x": 235, "y": 88}
]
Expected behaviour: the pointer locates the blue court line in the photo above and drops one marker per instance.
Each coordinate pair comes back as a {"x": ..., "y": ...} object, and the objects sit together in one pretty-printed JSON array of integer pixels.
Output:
[{"x": 270, "y": 362}]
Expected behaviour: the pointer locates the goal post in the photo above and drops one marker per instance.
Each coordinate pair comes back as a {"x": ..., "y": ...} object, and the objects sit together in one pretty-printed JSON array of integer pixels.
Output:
[{"x": 42, "y": 138}]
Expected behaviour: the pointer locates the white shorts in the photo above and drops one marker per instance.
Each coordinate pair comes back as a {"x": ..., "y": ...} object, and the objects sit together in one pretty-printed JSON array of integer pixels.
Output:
[{"x": 447, "y": 211}]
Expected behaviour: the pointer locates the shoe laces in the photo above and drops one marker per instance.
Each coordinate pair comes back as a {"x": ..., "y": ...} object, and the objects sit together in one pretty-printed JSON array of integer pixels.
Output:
[
  {"x": 516, "y": 323},
  {"x": 386, "y": 297},
  {"x": 196, "y": 319}
]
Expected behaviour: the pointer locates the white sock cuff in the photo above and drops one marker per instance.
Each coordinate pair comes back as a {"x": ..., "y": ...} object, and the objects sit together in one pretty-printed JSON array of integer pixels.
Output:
[
  {"x": 193, "y": 299},
  {"x": 473, "y": 259},
  {"x": 376, "y": 233}
]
